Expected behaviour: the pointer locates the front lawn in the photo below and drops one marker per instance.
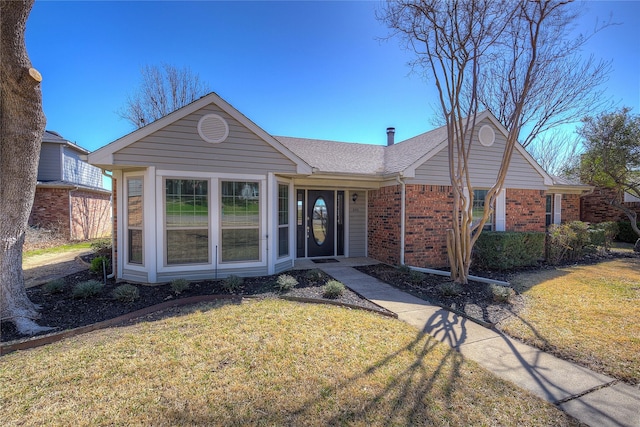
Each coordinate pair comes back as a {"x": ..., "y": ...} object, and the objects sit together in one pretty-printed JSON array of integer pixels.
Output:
[
  {"x": 267, "y": 362},
  {"x": 588, "y": 313}
]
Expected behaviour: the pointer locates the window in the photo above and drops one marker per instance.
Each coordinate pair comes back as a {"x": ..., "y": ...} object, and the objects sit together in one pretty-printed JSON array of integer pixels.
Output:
[
  {"x": 283, "y": 220},
  {"x": 134, "y": 220},
  {"x": 479, "y": 198},
  {"x": 549, "y": 210},
  {"x": 187, "y": 221},
  {"x": 240, "y": 221}
]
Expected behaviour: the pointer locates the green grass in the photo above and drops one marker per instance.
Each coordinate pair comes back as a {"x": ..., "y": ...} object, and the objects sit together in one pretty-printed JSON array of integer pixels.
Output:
[
  {"x": 586, "y": 313},
  {"x": 268, "y": 362},
  {"x": 58, "y": 249}
]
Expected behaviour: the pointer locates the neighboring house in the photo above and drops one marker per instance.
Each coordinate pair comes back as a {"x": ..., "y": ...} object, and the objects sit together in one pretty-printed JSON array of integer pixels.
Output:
[
  {"x": 596, "y": 206},
  {"x": 204, "y": 192},
  {"x": 70, "y": 197}
]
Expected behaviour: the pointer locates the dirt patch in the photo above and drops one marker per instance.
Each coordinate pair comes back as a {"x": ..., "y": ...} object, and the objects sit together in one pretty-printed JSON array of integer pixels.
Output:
[{"x": 40, "y": 269}]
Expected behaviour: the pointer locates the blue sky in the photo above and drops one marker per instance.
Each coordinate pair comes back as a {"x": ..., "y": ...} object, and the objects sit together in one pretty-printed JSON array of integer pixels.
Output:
[{"x": 305, "y": 69}]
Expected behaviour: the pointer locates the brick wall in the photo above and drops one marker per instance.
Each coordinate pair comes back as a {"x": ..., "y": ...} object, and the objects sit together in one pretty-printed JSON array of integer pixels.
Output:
[
  {"x": 570, "y": 207},
  {"x": 91, "y": 215},
  {"x": 428, "y": 216},
  {"x": 51, "y": 210},
  {"x": 525, "y": 210},
  {"x": 384, "y": 224},
  {"x": 596, "y": 207}
]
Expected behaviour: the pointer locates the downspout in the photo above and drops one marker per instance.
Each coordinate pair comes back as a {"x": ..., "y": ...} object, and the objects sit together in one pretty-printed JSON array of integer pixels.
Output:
[
  {"x": 403, "y": 197},
  {"x": 113, "y": 246}
]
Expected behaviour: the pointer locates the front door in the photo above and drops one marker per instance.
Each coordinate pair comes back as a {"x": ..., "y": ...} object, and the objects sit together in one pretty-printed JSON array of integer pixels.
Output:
[{"x": 320, "y": 223}]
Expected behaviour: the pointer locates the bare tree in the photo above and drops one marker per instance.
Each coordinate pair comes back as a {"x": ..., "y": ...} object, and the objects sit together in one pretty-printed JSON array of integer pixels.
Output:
[
  {"x": 163, "y": 89},
  {"x": 461, "y": 44},
  {"x": 555, "y": 151},
  {"x": 22, "y": 124}
]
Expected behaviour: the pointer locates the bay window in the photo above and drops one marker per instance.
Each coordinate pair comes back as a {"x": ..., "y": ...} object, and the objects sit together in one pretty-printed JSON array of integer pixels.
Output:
[{"x": 186, "y": 221}]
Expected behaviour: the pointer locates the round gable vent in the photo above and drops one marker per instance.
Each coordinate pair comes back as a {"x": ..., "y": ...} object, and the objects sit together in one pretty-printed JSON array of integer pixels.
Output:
[
  {"x": 213, "y": 128},
  {"x": 487, "y": 136}
]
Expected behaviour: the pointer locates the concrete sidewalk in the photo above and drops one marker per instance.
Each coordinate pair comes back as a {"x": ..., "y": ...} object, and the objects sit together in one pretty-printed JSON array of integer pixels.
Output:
[{"x": 592, "y": 398}]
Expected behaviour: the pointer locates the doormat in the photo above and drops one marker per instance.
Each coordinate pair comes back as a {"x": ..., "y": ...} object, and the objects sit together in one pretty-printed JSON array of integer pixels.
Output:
[{"x": 324, "y": 261}]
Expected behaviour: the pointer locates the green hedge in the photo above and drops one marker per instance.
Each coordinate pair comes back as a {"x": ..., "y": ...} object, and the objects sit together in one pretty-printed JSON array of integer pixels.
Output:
[
  {"x": 626, "y": 233},
  {"x": 500, "y": 250}
]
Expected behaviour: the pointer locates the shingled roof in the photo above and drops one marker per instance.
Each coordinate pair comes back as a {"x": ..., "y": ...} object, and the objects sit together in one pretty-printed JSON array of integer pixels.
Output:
[{"x": 366, "y": 159}]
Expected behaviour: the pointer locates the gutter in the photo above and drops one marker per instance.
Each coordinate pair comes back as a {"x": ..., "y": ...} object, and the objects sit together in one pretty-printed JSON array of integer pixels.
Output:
[{"x": 403, "y": 197}]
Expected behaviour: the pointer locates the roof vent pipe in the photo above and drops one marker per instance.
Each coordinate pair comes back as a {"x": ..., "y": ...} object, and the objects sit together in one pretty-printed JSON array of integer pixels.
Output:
[{"x": 390, "y": 136}]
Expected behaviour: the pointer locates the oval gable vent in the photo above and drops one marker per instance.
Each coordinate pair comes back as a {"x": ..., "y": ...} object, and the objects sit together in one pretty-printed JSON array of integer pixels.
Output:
[
  {"x": 213, "y": 128},
  {"x": 487, "y": 136}
]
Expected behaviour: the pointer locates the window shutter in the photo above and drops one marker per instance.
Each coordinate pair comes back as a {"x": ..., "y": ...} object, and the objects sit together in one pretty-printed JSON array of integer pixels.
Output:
[
  {"x": 501, "y": 211},
  {"x": 557, "y": 208}
]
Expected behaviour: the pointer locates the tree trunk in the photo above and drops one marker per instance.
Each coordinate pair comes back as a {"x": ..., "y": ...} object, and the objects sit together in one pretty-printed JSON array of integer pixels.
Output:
[{"x": 22, "y": 124}]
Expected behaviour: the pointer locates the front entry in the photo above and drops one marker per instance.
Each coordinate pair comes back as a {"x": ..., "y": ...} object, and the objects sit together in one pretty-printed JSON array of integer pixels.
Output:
[
  {"x": 322, "y": 225},
  {"x": 320, "y": 217}
]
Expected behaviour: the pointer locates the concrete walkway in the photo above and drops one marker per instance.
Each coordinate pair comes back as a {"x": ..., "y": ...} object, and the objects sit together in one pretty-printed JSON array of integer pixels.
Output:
[{"x": 592, "y": 398}]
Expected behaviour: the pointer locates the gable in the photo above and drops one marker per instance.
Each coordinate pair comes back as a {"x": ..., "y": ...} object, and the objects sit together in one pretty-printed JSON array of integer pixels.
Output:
[
  {"x": 484, "y": 163},
  {"x": 179, "y": 146},
  {"x": 174, "y": 142}
]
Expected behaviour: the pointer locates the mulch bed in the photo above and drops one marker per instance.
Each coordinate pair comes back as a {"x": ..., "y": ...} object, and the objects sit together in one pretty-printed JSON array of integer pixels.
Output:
[{"x": 64, "y": 312}]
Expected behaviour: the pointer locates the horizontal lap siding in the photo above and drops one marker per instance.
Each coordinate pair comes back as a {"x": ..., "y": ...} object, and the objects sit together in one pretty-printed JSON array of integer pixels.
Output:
[
  {"x": 178, "y": 146},
  {"x": 49, "y": 168},
  {"x": 78, "y": 171},
  {"x": 357, "y": 227},
  {"x": 484, "y": 163}
]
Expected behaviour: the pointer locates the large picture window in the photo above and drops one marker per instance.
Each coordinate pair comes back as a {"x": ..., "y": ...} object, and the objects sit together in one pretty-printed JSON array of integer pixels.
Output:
[
  {"x": 187, "y": 221},
  {"x": 240, "y": 221},
  {"x": 479, "y": 200},
  {"x": 134, "y": 220},
  {"x": 283, "y": 220}
]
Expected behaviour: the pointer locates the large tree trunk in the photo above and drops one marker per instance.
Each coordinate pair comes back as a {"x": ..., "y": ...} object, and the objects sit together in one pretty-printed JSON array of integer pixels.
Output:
[{"x": 22, "y": 124}]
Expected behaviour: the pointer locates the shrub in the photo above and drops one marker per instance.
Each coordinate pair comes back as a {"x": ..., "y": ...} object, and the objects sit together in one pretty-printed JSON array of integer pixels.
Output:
[
  {"x": 232, "y": 283},
  {"x": 501, "y": 293},
  {"x": 602, "y": 234},
  {"x": 102, "y": 247},
  {"x": 626, "y": 233},
  {"x": 96, "y": 264},
  {"x": 450, "y": 289},
  {"x": 286, "y": 282},
  {"x": 416, "y": 277},
  {"x": 179, "y": 285},
  {"x": 499, "y": 250},
  {"x": 87, "y": 289},
  {"x": 126, "y": 293},
  {"x": 333, "y": 289},
  {"x": 55, "y": 286},
  {"x": 315, "y": 275},
  {"x": 567, "y": 242}
]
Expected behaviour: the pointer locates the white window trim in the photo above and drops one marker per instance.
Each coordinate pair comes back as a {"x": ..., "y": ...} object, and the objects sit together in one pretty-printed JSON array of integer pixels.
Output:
[
  {"x": 124, "y": 238},
  {"x": 501, "y": 211},
  {"x": 214, "y": 221}
]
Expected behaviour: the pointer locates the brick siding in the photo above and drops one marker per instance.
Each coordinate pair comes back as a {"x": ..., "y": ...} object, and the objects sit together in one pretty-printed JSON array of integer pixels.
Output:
[
  {"x": 596, "y": 207},
  {"x": 51, "y": 210},
  {"x": 570, "y": 208},
  {"x": 384, "y": 224},
  {"x": 89, "y": 217},
  {"x": 429, "y": 215},
  {"x": 525, "y": 210}
]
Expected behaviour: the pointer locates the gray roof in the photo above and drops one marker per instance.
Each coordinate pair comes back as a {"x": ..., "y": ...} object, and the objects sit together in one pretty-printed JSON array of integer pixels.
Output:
[
  {"x": 367, "y": 159},
  {"x": 55, "y": 138}
]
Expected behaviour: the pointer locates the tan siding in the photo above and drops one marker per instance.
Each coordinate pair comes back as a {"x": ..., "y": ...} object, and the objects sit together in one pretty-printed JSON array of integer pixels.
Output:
[
  {"x": 357, "y": 225},
  {"x": 484, "y": 162},
  {"x": 178, "y": 146}
]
